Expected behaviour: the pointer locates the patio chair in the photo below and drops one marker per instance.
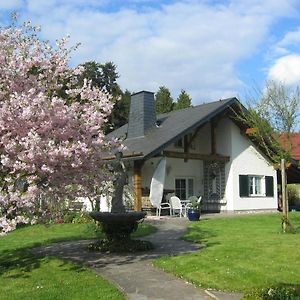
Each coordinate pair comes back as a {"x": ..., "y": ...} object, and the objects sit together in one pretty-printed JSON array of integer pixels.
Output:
[
  {"x": 165, "y": 205},
  {"x": 177, "y": 207},
  {"x": 162, "y": 206}
]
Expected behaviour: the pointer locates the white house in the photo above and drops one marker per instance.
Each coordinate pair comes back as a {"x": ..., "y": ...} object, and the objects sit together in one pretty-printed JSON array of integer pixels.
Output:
[{"x": 207, "y": 154}]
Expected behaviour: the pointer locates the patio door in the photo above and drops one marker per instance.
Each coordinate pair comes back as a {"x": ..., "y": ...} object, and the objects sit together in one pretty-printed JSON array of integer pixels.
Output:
[{"x": 184, "y": 187}]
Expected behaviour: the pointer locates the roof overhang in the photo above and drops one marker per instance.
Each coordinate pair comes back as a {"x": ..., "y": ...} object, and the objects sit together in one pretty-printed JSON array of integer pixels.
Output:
[
  {"x": 126, "y": 156},
  {"x": 201, "y": 122},
  {"x": 292, "y": 173}
]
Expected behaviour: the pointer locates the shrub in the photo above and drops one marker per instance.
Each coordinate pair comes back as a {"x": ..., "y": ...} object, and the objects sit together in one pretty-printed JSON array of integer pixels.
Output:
[
  {"x": 293, "y": 196},
  {"x": 82, "y": 217},
  {"x": 69, "y": 216},
  {"x": 274, "y": 293}
]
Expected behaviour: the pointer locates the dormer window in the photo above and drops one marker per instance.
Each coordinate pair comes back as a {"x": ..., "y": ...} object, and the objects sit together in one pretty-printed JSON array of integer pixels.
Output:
[{"x": 179, "y": 143}]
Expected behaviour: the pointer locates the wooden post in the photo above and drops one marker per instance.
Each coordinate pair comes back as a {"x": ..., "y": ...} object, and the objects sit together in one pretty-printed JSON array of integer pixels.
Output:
[
  {"x": 185, "y": 146},
  {"x": 285, "y": 205},
  {"x": 137, "y": 176},
  {"x": 213, "y": 136}
]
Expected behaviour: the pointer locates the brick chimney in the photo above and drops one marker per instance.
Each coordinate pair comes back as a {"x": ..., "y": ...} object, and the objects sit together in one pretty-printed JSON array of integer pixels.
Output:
[{"x": 142, "y": 115}]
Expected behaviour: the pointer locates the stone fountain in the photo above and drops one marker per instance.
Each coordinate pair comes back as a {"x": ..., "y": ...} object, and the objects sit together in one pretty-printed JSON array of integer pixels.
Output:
[{"x": 118, "y": 225}]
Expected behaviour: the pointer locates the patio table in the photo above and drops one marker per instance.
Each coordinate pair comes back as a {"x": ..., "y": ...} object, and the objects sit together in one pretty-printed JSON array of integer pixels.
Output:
[{"x": 184, "y": 204}]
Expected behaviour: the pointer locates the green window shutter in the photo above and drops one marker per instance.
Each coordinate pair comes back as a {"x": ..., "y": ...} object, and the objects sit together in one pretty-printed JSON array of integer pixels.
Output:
[
  {"x": 244, "y": 188},
  {"x": 269, "y": 186}
]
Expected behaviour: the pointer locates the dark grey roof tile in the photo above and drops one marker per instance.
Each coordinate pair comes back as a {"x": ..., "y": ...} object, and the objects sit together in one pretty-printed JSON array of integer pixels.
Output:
[{"x": 172, "y": 126}]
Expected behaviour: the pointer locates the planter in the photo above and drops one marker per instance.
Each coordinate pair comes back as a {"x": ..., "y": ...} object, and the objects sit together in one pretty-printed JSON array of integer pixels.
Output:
[{"x": 193, "y": 214}]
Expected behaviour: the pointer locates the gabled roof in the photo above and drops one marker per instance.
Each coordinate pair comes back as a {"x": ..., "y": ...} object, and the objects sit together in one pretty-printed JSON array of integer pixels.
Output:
[
  {"x": 296, "y": 146},
  {"x": 293, "y": 172},
  {"x": 295, "y": 141},
  {"x": 170, "y": 127}
]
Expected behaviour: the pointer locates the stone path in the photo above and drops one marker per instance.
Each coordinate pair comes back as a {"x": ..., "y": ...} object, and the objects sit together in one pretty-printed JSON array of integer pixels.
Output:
[{"x": 134, "y": 274}]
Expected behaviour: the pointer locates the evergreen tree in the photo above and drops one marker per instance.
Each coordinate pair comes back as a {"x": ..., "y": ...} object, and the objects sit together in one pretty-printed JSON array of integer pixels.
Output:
[
  {"x": 103, "y": 76},
  {"x": 163, "y": 100},
  {"x": 183, "y": 100},
  {"x": 120, "y": 112}
]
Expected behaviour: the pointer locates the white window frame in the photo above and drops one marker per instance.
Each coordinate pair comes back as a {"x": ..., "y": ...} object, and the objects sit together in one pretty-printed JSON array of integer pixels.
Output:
[
  {"x": 188, "y": 193},
  {"x": 256, "y": 185}
]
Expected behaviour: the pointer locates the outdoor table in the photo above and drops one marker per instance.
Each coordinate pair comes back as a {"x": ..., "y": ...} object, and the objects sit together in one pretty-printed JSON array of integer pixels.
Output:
[{"x": 184, "y": 204}]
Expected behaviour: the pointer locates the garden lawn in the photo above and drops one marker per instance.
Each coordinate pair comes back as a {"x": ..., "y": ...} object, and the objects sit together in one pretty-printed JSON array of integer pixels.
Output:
[
  {"x": 25, "y": 276},
  {"x": 240, "y": 253}
]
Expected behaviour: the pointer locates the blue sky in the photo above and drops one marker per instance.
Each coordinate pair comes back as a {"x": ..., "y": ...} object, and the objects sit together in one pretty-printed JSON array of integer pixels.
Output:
[{"x": 212, "y": 49}]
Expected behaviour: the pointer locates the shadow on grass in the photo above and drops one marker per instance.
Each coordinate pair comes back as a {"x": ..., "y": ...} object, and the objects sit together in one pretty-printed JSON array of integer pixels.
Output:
[
  {"x": 166, "y": 242},
  {"x": 19, "y": 262},
  {"x": 199, "y": 235}
]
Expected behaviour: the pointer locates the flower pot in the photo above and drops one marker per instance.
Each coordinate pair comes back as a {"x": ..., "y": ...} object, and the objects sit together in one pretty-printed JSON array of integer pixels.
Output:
[{"x": 193, "y": 214}]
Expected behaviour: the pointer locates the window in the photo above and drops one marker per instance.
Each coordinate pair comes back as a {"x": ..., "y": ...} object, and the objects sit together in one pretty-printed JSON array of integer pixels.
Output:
[
  {"x": 180, "y": 143},
  {"x": 256, "y": 185},
  {"x": 184, "y": 187}
]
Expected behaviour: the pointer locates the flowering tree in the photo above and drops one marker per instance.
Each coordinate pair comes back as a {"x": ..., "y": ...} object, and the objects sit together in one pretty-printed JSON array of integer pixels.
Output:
[{"x": 51, "y": 138}]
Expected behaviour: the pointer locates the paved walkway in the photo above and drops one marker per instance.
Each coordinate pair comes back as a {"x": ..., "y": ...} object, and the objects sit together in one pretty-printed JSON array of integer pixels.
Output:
[{"x": 134, "y": 274}]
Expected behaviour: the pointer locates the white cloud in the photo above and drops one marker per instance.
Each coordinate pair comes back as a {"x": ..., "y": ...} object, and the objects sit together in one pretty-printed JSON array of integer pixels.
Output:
[
  {"x": 291, "y": 38},
  {"x": 186, "y": 44},
  {"x": 10, "y": 4},
  {"x": 287, "y": 70}
]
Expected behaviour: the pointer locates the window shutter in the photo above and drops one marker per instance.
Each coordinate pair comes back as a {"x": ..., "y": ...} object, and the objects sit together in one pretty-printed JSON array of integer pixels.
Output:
[
  {"x": 244, "y": 189},
  {"x": 269, "y": 186}
]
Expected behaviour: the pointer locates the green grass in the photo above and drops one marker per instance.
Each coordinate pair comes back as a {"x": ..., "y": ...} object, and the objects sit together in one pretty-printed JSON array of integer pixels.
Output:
[
  {"x": 143, "y": 230},
  {"x": 240, "y": 253},
  {"x": 25, "y": 276}
]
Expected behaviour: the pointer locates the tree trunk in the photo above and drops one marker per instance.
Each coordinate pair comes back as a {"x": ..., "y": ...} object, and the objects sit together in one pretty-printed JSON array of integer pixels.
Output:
[{"x": 285, "y": 205}]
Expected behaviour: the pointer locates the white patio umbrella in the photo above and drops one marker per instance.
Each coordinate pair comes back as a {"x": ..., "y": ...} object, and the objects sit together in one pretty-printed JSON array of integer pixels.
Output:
[{"x": 157, "y": 186}]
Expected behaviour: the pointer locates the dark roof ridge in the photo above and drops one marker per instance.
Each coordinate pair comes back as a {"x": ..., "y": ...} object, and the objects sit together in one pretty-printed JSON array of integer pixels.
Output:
[{"x": 197, "y": 106}]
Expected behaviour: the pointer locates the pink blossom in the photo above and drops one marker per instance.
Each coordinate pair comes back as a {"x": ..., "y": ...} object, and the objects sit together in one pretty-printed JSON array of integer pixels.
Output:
[{"x": 49, "y": 146}]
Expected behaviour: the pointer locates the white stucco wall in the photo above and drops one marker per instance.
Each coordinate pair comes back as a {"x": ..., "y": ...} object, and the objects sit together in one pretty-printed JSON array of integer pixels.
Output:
[
  {"x": 176, "y": 168},
  {"x": 247, "y": 160},
  {"x": 244, "y": 160}
]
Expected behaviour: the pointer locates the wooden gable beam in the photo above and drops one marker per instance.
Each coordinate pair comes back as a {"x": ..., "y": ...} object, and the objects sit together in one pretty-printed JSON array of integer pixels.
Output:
[
  {"x": 185, "y": 146},
  {"x": 213, "y": 126},
  {"x": 195, "y": 134},
  {"x": 187, "y": 143},
  {"x": 197, "y": 156},
  {"x": 137, "y": 184}
]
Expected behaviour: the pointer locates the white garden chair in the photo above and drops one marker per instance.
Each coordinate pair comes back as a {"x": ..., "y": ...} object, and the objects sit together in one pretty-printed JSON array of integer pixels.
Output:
[
  {"x": 162, "y": 206},
  {"x": 177, "y": 207}
]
